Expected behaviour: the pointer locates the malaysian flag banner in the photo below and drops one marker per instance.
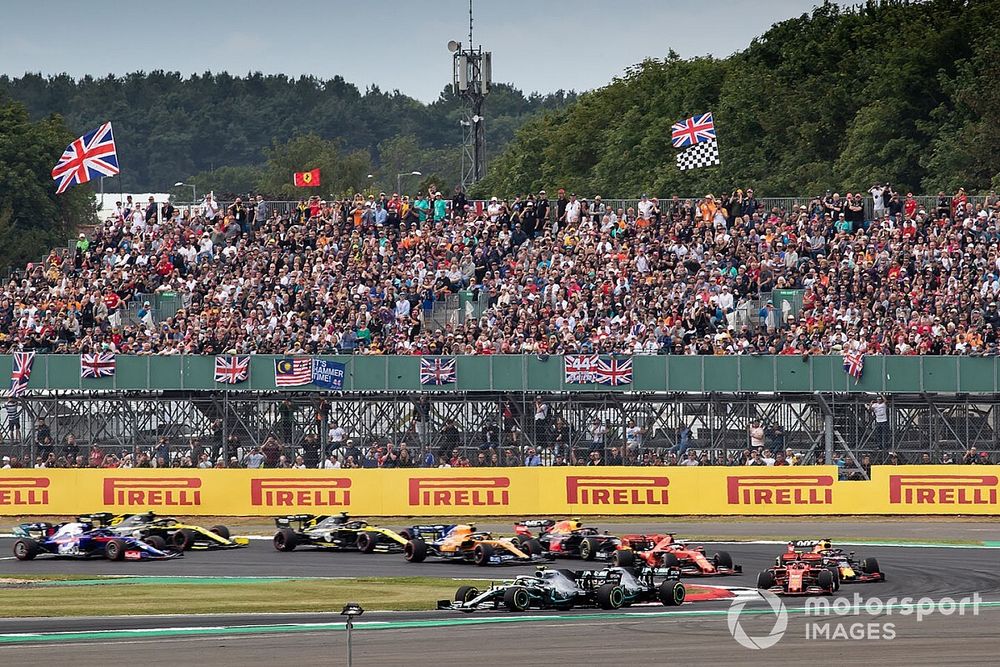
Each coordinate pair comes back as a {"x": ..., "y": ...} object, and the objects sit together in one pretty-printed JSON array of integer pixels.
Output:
[
  {"x": 614, "y": 372},
  {"x": 292, "y": 372},
  {"x": 438, "y": 371},
  {"x": 854, "y": 365},
  {"x": 20, "y": 372},
  {"x": 232, "y": 369},
  {"x": 100, "y": 365},
  {"x": 580, "y": 368},
  {"x": 91, "y": 156},
  {"x": 693, "y": 130}
]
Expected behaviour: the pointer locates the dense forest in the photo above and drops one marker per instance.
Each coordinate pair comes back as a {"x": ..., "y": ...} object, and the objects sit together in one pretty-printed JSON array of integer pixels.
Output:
[
  {"x": 170, "y": 128},
  {"x": 903, "y": 92}
]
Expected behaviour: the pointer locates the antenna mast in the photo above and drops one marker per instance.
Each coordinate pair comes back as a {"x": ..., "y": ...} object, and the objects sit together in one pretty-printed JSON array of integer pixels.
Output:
[{"x": 472, "y": 70}]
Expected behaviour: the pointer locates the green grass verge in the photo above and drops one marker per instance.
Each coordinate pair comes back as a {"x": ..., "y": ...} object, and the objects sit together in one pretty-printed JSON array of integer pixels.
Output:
[
  {"x": 215, "y": 597},
  {"x": 302, "y": 595}
]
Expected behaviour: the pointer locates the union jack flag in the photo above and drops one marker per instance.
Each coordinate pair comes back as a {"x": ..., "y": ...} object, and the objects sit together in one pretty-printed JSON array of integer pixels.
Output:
[
  {"x": 580, "y": 368},
  {"x": 693, "y": 130},
  {"x": 854, "y": 365},
  {"x": 438, "y": 371},
  {"x": 91, "y": 156},
  {"x": 20, "y": 372},
  {"x": 614, "y": 372},
  {"x": 100, "y": 365},
  {"x": 232, "y": 370}
]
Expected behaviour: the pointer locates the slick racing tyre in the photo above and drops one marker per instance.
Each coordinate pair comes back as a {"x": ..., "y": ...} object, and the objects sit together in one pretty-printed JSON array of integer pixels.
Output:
[
  {"x": 672, "y": 593},
  {"x": 670, "y": 560},
  {"x": 366, "y": 542},
  {"x": 825, "y": 581},
  {"x": 531, "y": 547},
  {"x": 466, "y": 593},
  {"x": 723, "y": 559},
  {"x": 588, "y": 548},
  {"x": 221, "y": 531},
  {"x": 482, "y": 554},
  {"x": 765, "y": 580},
  {"x": 415, "y": 551},
  {"x": 156, "y": 542},
  {"x": 183, "y": 539},
  {"x": 25, "y": 549},
  {"x": 516, "y": 598},
  {"x": 870, "y": 566},
  {"x": 114, "y": 550},
  {"x": 610, "y": 596},
  {"x": 835, "y": 571},
  {"x": 285, "y": 539},
  {"x": 623, "y": 558}
]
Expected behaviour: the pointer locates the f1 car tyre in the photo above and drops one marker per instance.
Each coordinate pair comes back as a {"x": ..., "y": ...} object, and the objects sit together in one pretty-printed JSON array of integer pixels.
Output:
[
  {"x": 825, "y": 580},
  {"x": 184, "y": 538},
  {"x": 156, "y": 541},
  {"x": 481, "y": 554},
  {"x": 835, "y": 571},
  {"x": 723, "y": 559},
  {"x": 366, "y": 542},
  {"x": 531, "y": 547},
  {"x": 407, "y": 535},
  {"x": 610, "y": 596},
  {"x": 114, "y": 550},
  {"x": 221, "y": 531},
  {"x": 670, "y": 560},
  {"x": 415, "y": 551},
  {"x": 672, "y": 593},
  {"x": 869, "y": 566},
  {"x": 25, "y": 549},
  {"x": 516, "y": 598},
  {"x": 466, "y": 593},
  {"x": 588, "y": 548},
  {"x": 285, "y": 539},
  {"x": 623, "y": 558},
  {"x": 765, "y": 580}
]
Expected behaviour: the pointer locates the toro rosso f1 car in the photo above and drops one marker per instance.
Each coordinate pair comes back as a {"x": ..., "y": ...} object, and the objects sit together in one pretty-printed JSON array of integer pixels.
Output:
[
  {"x": 566, "y": 538},
  {"x": 799, "y": 574},
  {"x": 337, "y": 532},
  {"x": 78, "y": 539},
  {"x": 659, "y": 551},
  {"x": 846, "y": 566},
  {"x": 164, "y": 531},
  {"x": 464, "y": 543},
  {"x": 610, "y": 588}
]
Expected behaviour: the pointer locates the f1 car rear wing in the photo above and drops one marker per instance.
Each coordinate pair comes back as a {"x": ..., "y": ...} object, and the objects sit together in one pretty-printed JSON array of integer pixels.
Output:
[
  {"x": 101, "y": 519},
  {"x": 535, "y": 523}
]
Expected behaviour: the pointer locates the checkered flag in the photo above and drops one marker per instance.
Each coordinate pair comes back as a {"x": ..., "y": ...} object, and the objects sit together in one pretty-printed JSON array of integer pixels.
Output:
[{"x": 703, "y": 154}]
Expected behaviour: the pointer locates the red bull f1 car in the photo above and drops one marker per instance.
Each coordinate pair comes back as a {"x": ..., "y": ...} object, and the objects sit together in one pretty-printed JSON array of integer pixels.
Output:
[
  {"x": 844, "y": 563},
  {"x": 566, "y": 538},
  {"x": 610, "y": 588},
  {"x": 338, "y": 532},
  {"x": 664, "y": 551},
  {"x": 465, "y": 544},
  {"x": 78, "y": 539},
  {"x": 164, "y": 531}
]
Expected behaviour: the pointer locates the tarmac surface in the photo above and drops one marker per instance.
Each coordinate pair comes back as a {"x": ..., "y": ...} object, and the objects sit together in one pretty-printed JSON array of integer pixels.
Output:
[{"x": 696, "y": 632}]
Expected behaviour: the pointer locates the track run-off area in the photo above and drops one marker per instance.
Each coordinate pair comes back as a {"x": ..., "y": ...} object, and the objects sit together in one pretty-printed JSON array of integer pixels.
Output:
[{"x": 920, "y": 575}]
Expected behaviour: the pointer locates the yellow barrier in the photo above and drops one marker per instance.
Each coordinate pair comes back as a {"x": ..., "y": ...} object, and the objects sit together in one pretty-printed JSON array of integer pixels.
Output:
[{"x": 945, "y": 490}]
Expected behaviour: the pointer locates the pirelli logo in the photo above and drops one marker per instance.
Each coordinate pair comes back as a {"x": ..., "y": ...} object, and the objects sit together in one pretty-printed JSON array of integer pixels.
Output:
[
  {"x": 617, "y": 490},
  {"x": 943, "y": 489},
  {"x": 459, "y": 491},
  {"x": 24, "y": 491},
  {"x": 300, "y": 492},
  {"x": 766, "y": 490},
  {"x": 147, "y": 491}
]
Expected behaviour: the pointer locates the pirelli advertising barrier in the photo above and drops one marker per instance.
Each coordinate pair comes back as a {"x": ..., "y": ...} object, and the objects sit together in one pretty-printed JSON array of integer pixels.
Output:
[{"x": 505, "y": 491}]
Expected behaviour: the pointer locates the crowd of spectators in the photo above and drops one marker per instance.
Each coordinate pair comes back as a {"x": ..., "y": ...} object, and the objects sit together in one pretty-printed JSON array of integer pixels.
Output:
[{"x": 553, "y": 276}]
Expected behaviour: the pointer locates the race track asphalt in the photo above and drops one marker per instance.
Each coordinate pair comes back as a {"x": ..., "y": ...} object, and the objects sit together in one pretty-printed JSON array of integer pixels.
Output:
[{"x": 696, "y": 632}]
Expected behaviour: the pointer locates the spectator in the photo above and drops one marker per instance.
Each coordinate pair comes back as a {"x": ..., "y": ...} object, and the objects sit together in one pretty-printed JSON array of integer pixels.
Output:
[{"x": 254, "y": 459}]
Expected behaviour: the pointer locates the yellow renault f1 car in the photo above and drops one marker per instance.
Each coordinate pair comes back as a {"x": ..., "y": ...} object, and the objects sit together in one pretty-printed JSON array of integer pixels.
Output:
[
  {"x": 166, "y": 531},
  {"x": 337, "y": 532}
]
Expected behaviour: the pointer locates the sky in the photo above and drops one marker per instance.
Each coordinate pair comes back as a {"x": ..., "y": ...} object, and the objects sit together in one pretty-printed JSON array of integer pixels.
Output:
[{"x": 537, "y": 45}]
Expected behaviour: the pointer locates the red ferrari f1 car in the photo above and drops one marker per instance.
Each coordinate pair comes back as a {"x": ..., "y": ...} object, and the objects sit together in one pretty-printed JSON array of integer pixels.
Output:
[
  {"x": 799, "y": 574},
  {"x": 660, "y": 551}
]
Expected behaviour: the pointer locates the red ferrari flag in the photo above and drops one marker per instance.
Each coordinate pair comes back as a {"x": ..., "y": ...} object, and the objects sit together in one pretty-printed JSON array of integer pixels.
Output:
[{"x": 307, "y": 179}]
